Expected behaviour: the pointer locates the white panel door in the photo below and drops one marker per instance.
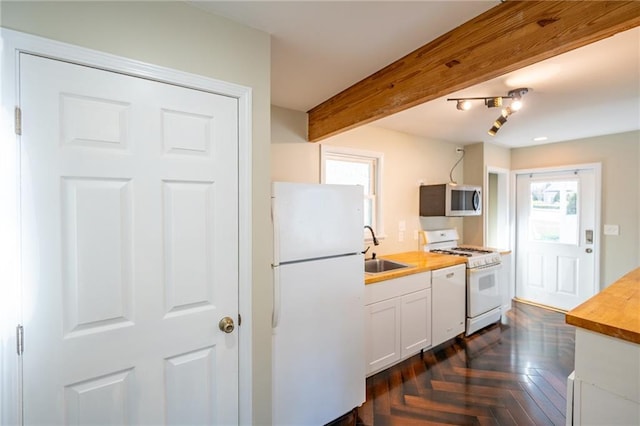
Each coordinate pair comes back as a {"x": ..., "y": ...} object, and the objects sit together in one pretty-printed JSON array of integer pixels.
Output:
[
  {"x": 556, "y": 238},
  {"x": 129, "y": 249}
]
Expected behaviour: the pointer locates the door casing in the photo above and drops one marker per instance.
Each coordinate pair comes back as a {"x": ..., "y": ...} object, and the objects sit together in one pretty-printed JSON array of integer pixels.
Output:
[{"x": 15, "y": 42}]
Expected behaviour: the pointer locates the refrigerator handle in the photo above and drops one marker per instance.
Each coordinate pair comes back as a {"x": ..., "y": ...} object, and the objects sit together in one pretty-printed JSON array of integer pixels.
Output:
[
  {"x": 276, "y": 232},
  {"x": 275, "y": 318}
]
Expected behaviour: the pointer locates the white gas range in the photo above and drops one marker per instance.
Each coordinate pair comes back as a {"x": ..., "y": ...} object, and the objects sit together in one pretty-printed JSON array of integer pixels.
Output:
[{"x": 483, "y": 295}]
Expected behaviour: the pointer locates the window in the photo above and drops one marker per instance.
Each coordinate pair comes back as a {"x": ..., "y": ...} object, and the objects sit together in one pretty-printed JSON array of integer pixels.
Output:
[
  {"x": 554, "y": 211},
  {"x": 357, "y": 167}
]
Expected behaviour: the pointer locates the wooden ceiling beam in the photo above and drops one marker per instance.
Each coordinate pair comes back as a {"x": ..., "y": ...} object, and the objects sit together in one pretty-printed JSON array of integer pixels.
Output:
[{"x": 507, "y": 37}]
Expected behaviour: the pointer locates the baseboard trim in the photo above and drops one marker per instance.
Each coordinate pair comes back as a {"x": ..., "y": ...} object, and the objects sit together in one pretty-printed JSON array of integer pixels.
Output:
[{"x": 539, "y": 305}]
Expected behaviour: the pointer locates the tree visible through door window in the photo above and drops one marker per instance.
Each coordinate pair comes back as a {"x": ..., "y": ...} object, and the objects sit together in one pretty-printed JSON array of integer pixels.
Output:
[
  {"x": 554, "y": 211},
  {"x": 356, "y": 167}
]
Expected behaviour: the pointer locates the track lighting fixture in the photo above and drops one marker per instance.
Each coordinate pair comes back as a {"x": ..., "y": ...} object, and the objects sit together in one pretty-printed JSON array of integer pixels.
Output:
[{"x": 463, "y": 104}]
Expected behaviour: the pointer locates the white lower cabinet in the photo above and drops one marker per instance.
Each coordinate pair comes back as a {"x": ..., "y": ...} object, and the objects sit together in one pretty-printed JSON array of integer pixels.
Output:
[
  {"x": 448, "y": 287},
  {"x": 382, "y": 334},
  {"x": 398, "y": 319},
  {"x": 606, "y": 381},
  {"x": 415, "y": 320}
]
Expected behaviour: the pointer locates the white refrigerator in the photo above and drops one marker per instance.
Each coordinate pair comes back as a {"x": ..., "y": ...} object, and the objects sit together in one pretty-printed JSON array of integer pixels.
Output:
[{"x": 318, "y": 315}]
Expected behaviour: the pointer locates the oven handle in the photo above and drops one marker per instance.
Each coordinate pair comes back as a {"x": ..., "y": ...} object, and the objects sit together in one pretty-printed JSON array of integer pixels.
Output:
[{"x": 487, "y": 268}]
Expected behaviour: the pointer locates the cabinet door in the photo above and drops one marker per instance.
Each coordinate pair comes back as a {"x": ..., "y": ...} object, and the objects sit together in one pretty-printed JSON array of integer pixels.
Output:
[
  {"x": 449, "y": 297},
  {"x": 416, "y": 322},
  {"x": 382, "y": 334}
]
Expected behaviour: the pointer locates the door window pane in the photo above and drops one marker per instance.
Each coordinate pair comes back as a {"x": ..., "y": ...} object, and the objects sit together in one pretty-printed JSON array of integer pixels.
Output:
[{"x": 553, "y": 215}]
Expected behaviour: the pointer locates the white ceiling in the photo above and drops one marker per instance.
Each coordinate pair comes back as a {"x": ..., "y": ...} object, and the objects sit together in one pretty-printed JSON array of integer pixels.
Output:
[{"x": 320, "y": 48}]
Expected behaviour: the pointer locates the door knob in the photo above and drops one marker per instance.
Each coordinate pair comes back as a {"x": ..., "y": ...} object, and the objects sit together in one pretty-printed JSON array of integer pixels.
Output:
[{"x": 226, "y": 324}]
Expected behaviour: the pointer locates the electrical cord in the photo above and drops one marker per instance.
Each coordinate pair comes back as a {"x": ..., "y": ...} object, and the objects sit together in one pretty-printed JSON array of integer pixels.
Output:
[{"x": 454, "y": 166}]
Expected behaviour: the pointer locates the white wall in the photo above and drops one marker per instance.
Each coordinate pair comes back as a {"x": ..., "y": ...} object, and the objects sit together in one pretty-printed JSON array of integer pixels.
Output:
[
  {"x": 293, "y": 159},
  {"x": 408, "y": 160},
  {"x": 474, "y": 175},
  {"x": 620, "y": 158},
  {"x": 177, "y": 35}
]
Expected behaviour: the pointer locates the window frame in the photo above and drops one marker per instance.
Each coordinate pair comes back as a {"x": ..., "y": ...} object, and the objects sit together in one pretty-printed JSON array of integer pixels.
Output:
[{"x": 376, "y": 159}]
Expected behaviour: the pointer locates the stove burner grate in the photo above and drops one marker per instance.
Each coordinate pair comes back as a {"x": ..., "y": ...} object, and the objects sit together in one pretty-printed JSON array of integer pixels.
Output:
[
  {"x": 472, "y": 250},
  {"x": 455, "y": 253}
]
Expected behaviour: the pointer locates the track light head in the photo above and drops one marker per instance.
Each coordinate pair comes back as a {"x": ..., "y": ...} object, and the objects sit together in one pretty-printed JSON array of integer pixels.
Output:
[
  {"x": 517, "y": 95},
  {"x": 500, "y": 121},
  {"x": 516, "y": 105},
  {"x": 463, "y": 105},
  {"x": 493, "y": 102}
]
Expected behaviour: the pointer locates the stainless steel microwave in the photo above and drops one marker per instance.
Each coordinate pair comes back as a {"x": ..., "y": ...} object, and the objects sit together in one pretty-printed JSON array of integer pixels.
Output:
[{"x": 450, "y": 199}]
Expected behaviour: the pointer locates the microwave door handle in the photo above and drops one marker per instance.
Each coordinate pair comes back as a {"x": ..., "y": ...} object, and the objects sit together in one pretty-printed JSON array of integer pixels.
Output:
[{"x": 476, "y": 200}]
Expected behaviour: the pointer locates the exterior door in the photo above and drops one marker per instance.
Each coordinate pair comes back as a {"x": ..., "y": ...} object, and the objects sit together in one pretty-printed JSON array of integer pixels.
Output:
[
  {"x": 129, "y": 249},
  {"x": 556, "y": 238}
]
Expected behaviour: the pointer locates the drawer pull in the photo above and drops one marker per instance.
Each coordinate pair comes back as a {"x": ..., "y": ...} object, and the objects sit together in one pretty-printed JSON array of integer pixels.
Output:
[{"x": 450, "y": 274}]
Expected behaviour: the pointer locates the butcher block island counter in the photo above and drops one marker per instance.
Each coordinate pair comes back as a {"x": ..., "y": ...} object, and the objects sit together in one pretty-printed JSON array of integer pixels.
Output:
[
  {"x": 421, "y": 262},
  {"x": 605, "y": 385},
  {"x": 615, "y": 311}
]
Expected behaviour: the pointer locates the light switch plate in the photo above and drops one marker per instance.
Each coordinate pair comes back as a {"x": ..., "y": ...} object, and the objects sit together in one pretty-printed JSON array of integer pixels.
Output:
[{"x": 611, "y": 230}]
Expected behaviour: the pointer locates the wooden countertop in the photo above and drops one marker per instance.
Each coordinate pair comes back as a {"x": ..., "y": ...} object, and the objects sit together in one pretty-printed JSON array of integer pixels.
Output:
[
  {"x": 615, "y": 311},
  {"x": 421, "y": 261}
]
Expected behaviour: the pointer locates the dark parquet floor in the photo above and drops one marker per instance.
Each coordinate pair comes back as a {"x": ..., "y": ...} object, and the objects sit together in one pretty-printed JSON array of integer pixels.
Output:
[{"x": 512, "y": 373}]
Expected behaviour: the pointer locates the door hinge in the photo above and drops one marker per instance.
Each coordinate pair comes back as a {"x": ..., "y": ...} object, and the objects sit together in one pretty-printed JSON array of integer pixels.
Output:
[
  {"x": 18, "y": 120},
  {"x": 239, "y": 320},
  {"x": 20, "y": 339}
]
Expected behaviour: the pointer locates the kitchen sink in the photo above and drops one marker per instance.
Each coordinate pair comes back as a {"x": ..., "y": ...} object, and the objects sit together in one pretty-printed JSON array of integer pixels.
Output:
[{"x": 376, "y": 266}]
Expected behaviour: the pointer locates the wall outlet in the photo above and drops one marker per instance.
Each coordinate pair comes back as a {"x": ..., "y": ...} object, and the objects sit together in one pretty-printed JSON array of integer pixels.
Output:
[{"x": 611, "y": 230}]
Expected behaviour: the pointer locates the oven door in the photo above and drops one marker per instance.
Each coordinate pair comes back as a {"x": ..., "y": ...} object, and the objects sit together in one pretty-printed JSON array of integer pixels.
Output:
[{"x": 483, "y": 290}]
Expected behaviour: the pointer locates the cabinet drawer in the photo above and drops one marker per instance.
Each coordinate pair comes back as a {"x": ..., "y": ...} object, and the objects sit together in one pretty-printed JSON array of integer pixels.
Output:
[{"x": 395, "y": 287}]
